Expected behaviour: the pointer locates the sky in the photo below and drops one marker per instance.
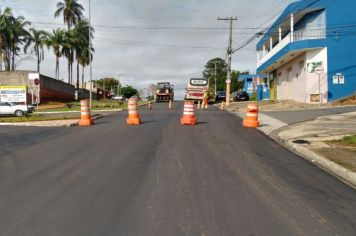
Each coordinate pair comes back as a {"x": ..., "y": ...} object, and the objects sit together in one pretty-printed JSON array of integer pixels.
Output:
[{"x": 141, "y": 42}]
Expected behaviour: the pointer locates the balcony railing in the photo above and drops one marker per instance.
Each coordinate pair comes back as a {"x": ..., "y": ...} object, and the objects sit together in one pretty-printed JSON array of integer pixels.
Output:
[{"x": 293, "y": 37}]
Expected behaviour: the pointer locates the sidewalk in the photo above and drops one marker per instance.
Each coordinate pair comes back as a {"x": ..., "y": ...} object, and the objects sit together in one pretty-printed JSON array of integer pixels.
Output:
[{"x": 309, "y": 139}]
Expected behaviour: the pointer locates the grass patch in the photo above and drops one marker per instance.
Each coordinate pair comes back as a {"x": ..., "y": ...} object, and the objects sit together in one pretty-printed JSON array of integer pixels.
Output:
[
  {"x": 348, "y": 141},
  {"x": 37, "y": 118}
]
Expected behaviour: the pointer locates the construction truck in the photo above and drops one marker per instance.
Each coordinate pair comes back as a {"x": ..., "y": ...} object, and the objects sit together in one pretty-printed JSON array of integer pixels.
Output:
[
  {"x": 196, "y": 88},
  {"x": 165, "y": 92}
]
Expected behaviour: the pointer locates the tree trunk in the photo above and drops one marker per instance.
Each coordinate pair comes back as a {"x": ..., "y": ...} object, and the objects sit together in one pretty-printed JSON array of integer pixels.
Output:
[
  {"x": 69, "y": 79},
  {"x": 77, "y": 75},
  {"x": 82, "y": 77},
  {"x": 57, "y": 68},
  {"x": 13, "y": 58},
  {"x": 38, "y": 61}
]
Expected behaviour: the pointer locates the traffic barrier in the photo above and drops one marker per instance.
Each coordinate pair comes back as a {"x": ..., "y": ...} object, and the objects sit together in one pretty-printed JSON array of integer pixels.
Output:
[
  {"x": 170, "y": 104},
  {"x": 198, "y": 106},
  {"x": 188, "y": 114},
  {"x": 85, "y": 116},
  {"x": 134, "y": 118},
  {"x": 251, "y": 119},
  {"x": 222, "y": 106},
  {"x": 149, "y": 106}
]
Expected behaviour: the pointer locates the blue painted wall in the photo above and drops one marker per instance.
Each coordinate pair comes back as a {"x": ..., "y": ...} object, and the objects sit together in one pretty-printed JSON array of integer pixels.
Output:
[{"x": 340, "y": 42}]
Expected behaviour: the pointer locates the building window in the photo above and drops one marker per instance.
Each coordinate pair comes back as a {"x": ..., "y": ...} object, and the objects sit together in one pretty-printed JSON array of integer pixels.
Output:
[
  {"x": 301, "y": 64},
  {"x": 289, "y": 69}
]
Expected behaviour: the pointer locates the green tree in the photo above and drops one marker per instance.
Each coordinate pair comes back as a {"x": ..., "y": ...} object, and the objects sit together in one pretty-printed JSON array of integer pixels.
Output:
[
  {"x": 37, "y": 39},
  {"x": 129, "y": 91},
  {"x": 56, "y": 41},
  {"x": 108, "y": 83},
  {"x": 5, "y": 16},
  {"x": 221, "y": 72},
  {"x": 72, "y": 12},
  {"x": 81, "y": 46},
  {"x": 15, "y": 35}
]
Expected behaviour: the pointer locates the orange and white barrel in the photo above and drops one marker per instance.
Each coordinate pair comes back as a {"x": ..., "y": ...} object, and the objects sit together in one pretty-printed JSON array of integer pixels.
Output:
[
  {"x": 188, "y": 114},
  {"x": 251, "y": 119},
  {"x": 222, "y": 106},
  {"x": 85, "y": 116},
  {"x": 133, "y": 118},
  {"x": 149, "y": 106}
]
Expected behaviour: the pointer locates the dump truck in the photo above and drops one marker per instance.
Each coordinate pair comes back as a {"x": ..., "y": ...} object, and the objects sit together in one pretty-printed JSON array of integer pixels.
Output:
[
  {"x": 196, "y": 88},
  {"x": 165, "y": 92}
]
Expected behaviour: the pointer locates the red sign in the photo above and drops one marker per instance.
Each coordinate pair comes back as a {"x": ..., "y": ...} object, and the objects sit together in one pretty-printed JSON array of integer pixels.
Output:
[{"x": 36, "y": 81}]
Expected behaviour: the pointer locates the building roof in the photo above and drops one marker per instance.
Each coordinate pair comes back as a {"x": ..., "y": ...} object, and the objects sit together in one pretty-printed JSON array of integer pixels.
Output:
[{"x": 292, "y": 8}]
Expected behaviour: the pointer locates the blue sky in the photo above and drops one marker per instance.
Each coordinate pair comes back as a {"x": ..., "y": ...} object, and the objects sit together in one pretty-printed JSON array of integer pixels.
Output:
[{"x": 142, "y": 42}]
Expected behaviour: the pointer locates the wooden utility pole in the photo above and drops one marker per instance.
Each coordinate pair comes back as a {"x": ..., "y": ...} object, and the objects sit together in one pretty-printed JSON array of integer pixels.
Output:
[{"x": 229, "y": 54}]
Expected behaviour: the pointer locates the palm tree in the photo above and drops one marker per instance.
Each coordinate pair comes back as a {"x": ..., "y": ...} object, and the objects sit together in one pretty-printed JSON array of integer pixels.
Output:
[
  {"x": 67, "y": 51},
  {"x": 4, "y": 22},
  {"x": 72, "y": 12},
  {"x": 81, "y": 32},
  {"x": 56, "y": 41},
  {"x": 37, "y": 38}
]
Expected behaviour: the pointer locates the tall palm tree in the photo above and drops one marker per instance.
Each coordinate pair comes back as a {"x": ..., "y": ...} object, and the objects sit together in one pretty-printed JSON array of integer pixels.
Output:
[
  {"x": 67, "y": 51},
  {"x": 56, "y": 41},
  {"x": 72, "y": 12},
  {"x": 4, "y": 22},
  {"x": 37, "y": 38},
  {"x": 81, "y": 48}
]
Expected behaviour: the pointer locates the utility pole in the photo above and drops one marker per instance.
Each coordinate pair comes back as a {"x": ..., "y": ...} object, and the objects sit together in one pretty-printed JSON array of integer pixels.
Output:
[
  {"x": 215, "y": 76},
  {"x": 229, "y": 52},
  {"x": 90, "y": 59}
]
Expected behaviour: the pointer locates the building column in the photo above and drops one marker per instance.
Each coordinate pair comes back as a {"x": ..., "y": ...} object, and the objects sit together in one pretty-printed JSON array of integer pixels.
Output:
[
  {"x": 270, "y": 43},
  {"x": 258, "y": 56},
  {"x": 280, "y": 34},
  {"x": 292, "y": 28},
  {"x": 264, "y": 50}
]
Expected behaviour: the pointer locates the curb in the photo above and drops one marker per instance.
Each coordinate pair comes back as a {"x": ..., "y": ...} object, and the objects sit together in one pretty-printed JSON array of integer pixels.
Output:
[
  {"x": 63, "y": 112},
  {"x": 338, "y": 171}
]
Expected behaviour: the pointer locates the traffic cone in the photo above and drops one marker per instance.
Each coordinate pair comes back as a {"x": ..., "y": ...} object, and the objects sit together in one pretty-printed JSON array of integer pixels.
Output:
[
  {"x": 85, "y": 116},
  {"x": 134, "y": 118},
  {"x": 149, "y": 106},
  {"x": 198, "y": 106},
  {"x": 188, "y": 114},
  {"x": 251, "y": 119},
  {"x": 222, "y": 106},
  {"x": 170, "y": 104}
]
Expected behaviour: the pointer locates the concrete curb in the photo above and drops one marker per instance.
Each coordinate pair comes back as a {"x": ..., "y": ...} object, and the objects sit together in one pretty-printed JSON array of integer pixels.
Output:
[
  {"x": 63, "y": 112},
  {"x": 50, "y": 123},
  {"x": 340, "y": 172}
]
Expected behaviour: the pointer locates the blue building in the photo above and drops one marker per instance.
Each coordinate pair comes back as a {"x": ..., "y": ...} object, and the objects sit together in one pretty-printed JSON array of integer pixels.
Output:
[
  {"x": 309, "y": 52},
  {"x": 256, "y": 84}
]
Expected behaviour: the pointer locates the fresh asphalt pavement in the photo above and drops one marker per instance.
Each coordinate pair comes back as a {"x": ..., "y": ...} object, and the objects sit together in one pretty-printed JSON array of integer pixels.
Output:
[
  {"x": 292, "y": 117},
  {"x": 161, "y": 178}
]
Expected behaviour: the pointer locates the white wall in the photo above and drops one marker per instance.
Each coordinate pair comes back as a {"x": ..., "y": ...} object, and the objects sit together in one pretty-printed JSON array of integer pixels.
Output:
[
  {"x": 318, "y": 55},
  {"x": 292, "y": 80}
]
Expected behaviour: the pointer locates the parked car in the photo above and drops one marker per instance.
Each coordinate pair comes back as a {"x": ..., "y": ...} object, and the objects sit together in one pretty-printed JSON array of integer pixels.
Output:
[
  {"x": 240, "y": 96},
  {"x": 10, "y": 108},
  {"x": 118, "y": 97},
  {"x": 220, "y": 96}
]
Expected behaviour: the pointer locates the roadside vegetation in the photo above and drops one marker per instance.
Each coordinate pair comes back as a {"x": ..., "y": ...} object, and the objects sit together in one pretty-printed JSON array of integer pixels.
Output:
[
  {"x": 36, "y": 117},
  {"x": 346, "y": 141}
]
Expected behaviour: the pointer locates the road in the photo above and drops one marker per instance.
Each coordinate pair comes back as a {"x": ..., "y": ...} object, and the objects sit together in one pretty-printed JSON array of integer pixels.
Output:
[
  {"x": 159, "y": 178},
  {"x": 292, "y": 117}
]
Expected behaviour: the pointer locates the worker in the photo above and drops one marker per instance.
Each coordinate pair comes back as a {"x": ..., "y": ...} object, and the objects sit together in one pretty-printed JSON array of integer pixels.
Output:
[{"x": 205, "y": 100}]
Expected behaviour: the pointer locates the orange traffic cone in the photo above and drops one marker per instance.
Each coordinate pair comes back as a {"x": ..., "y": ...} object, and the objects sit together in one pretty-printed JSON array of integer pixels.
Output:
[
  {"x": 222, "y": 106},
  {"x": 198, "y": 106},
  {"x": 149, "y": 106},
  {"x": 134, "y": 118},
  {"x": 188, "y": 114},
  {"x": 251, "y": 119},
  {"x": 85, "y": 117}
]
